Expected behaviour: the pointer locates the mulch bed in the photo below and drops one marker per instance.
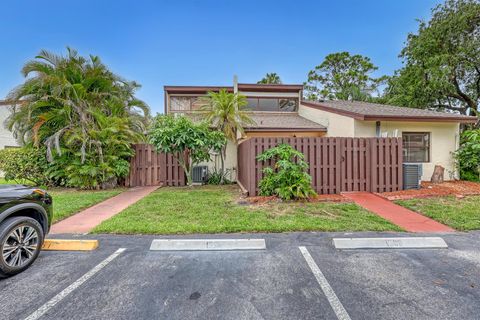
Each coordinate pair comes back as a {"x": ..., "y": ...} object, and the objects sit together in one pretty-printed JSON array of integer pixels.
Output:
[
  {"x": 459, "y": 189},
  {"x": 318, "y": 198}
]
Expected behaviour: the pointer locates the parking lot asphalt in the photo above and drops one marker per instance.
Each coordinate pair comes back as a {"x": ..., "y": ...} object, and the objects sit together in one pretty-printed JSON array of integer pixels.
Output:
[{"x": 276, "y": 283}]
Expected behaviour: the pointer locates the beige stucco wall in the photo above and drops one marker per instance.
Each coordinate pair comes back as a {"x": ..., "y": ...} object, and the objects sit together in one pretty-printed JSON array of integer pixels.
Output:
[
  {"x": 338, "y": 126},
  {"x": 6, "y": 137},
  {"x": 444, "y": 138},
  {"x": 230, "y": 162}
]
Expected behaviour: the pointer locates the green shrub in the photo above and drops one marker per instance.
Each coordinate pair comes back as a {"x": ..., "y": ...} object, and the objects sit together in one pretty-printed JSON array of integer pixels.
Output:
[
  {"x": 218, "y": 177},
  {"x": 288, "y": 179},
  {"x": 468, "y": 155},
  {"x": 27, "y": 163}
]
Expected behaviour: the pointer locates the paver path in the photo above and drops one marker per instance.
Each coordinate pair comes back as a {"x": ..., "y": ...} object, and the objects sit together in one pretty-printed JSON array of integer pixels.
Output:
[
  {"x": 402, "y": 217},
  {"x": 89, "y": 218}
]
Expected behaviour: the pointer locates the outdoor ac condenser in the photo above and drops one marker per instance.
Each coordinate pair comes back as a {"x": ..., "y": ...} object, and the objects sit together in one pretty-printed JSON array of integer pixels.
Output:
[
  {"x": 199, "y": 174},
  {"x": 412, "y": 175}
]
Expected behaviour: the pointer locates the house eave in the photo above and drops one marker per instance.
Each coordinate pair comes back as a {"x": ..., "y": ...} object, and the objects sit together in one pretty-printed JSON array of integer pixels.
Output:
[
  {"x": 253, "y": 129},
  {"x": 359, "y": 116}
]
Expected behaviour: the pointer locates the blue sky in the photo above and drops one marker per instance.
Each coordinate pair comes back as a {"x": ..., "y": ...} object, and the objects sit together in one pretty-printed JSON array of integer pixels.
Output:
[{"x": 161, "y": 43}]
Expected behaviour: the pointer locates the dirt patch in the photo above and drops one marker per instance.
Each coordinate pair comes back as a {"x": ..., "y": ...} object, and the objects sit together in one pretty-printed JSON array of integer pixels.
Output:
[
  {"x": 318, "y": 198},
  {"x": 459, "y": 189}
]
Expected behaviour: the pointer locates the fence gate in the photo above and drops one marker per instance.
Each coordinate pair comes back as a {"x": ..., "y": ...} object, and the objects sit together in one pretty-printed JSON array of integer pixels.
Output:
[
  {"x": 151, "y": 168},
  {"x": 335, "y": 164}
]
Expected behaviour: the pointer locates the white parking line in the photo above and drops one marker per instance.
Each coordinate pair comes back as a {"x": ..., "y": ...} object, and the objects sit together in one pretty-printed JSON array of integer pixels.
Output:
[
  {"x": 335, "y": 303},
  {"x": 59, "y": 297}
]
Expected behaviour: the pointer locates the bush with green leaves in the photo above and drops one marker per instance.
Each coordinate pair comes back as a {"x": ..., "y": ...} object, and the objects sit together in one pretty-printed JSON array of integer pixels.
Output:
[
  {"x": 82, "y": 115},
  {"x": 218, "y": 177},
  {"x": 190, "y": 143},
  {"x": 288, "y": 178},
  {"x": 468, "y": 155},
  {"x": 20, "y": 164}
]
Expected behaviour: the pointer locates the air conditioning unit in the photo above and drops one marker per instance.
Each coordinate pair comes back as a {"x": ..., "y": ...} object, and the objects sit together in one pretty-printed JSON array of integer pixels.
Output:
[
  {"x": 412, "y": 175},
  {"x": 199, "y": 174}
]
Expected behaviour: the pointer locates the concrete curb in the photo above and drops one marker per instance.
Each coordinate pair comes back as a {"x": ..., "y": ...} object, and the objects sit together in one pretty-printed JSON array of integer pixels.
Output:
[
  {"x": 207, "y": 244},
  {"x": 390, "y": 243},
  {"x": 69, "y": 245}
]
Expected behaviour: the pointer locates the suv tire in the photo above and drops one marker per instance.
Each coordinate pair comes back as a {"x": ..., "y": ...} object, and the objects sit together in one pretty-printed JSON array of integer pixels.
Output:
[{"x": 21, "y": 240}]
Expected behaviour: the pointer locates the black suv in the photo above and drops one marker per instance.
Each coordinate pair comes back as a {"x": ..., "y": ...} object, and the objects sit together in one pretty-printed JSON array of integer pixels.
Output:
[{"x": 25, "y": 218}]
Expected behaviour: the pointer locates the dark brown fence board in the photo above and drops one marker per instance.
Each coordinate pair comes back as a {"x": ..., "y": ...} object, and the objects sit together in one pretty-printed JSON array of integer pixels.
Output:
[
  {"x": 336, "y": 164},
  {"x": 151, "y": 168}
]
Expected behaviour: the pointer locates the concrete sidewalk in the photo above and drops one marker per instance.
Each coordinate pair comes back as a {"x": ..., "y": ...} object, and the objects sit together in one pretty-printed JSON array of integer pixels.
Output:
[
  {"x": 402, "y": 217},
  {"x": 89, "y": 218}
]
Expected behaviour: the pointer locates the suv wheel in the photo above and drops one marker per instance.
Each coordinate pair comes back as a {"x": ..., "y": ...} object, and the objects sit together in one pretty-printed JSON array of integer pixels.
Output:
[{"x": 21, "y": 239}]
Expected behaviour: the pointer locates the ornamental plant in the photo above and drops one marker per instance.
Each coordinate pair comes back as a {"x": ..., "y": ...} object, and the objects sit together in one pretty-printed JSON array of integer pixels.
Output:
[
  {"x": 190, "y": 143},
  {"x": 82, "y": 115},
  {"x": 26, "y": 163},
  {"x": 468, "y": 155},
  {"x": 288, "y": 177}
]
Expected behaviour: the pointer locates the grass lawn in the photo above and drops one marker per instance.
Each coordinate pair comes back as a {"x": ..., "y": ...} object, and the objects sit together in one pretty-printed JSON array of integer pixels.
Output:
[
  {"x": 461, "y": 214},
  {"x": 213, "y": 209},
  {"x": 67, "y": 202},
  {"x": 3, "y": 181}
]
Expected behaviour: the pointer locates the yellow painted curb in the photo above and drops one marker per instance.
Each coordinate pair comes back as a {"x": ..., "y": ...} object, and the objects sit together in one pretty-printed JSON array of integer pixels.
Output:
[{"x": 69, "y": 245}]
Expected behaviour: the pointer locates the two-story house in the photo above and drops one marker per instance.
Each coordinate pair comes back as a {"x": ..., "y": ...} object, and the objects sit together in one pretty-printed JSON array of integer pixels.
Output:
[{"x": 429, "y": 137}]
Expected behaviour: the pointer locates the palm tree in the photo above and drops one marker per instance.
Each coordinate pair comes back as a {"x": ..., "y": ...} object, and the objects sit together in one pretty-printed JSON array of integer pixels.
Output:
[
  {"x": 64, "y": 102},
  {"x": 270, "y": 78},
  {"x": 227, "y": 113}
]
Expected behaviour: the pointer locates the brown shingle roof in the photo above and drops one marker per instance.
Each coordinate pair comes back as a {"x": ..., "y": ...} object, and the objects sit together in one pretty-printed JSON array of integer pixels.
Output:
[
  {"x": 374, "y": 111},
  {"x": 271, "y": 121},
  {"x": 283, "y": 121}
]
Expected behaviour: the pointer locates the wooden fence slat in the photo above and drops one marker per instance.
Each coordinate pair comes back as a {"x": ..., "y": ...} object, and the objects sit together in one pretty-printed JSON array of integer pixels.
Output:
[
  {"x": 336, "y": 164},
  {"x": 149, "y": 167}
]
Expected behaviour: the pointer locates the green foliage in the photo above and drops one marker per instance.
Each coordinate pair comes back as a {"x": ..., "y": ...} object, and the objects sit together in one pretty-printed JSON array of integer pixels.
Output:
[
  {"x": 343, "y": 76},
  {"x": 19, "y": 164},
  {"x": 270, "y": 78},
  {"x": 189, "y": 142},
  {"x": 288, "y": 179},
  {"x": 468, "y": 155},
  {"x": 86, "y": 116},
  {"x": 218, "y": 177},
  {"x": 227, "y": 113},
  {"x": 442, "y": 61}
]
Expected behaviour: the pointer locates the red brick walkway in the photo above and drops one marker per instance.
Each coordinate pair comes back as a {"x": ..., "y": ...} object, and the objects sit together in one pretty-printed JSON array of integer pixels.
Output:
[
  {"x": 89, "y": 218},
  {"x": 402, "y": 217}
]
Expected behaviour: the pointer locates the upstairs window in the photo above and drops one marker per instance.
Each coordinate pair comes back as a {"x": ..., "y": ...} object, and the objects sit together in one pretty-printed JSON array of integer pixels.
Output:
[
  {"x": 416, "y": 146},
  {"x": 272, "y": 104},
  {"x": 185, "y": 103}
]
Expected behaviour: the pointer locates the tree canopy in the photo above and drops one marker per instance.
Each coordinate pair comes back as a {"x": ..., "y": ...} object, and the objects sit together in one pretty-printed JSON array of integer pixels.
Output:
[
  {"x": 270, "y": 78},
  {"x": 84, "y": 115},
  {"x": 442, "y": 61},
  {"x": 342, "y": 76},
  {"x": 227, "y": 113},
  {"x": 190, "y": 143}
]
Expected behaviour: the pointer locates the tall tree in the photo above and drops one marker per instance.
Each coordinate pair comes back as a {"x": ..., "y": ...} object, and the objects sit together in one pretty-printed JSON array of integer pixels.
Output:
[
  {"x": 226, "y": 112},
  {"x": 442, "y": 61},
  {"x": 85, "y": 116},
  {"x": 270, "y": 78},
  {"x": 342, "y": 76}
]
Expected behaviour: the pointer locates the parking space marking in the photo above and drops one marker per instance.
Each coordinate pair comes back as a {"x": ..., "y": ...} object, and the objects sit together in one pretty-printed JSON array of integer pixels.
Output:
[
  {"x": 335, "y": 303},
  {"x": 59, "y": 297}
]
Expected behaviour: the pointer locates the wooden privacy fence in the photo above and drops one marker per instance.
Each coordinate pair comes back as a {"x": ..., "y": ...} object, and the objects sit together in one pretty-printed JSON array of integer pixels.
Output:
[
  {"x": 335, "y": 164},
  {"x": 151, "y": 168}
]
